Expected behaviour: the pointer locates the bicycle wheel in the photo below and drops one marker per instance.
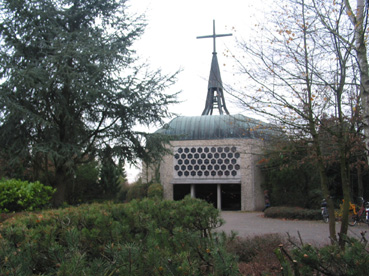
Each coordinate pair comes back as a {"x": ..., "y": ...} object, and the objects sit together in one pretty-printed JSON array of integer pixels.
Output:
[{"x": 353, "y": 220}]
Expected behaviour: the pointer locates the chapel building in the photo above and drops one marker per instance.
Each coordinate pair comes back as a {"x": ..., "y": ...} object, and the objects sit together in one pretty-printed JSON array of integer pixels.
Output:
[{"x": 215, "y": 157}]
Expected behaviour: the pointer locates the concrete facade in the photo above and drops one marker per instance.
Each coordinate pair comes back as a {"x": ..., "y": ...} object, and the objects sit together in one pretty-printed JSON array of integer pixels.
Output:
[{"x": 231, "y": 161}]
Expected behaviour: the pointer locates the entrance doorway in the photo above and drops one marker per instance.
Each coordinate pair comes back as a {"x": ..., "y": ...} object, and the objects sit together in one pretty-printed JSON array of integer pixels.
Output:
[
  {"x": 181, "y": 190},
  {"x": 229, "y": 197},
  {"x": 207, "y": 192}
]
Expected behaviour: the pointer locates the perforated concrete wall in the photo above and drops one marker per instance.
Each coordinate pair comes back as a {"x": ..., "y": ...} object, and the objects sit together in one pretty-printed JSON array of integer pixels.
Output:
[{"x": 226, "y": 161}]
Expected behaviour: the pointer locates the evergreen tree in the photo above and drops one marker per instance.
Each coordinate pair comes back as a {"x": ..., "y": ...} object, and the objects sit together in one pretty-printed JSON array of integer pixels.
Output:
[
  {"x": 109, "y": 175},
  {"x": 71, "y": 84}
]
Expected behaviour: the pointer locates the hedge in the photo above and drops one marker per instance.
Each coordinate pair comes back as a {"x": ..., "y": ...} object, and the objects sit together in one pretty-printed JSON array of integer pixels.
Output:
[
  {"x": 148, "y": 237},
  {"x": 293, "y": 213}
]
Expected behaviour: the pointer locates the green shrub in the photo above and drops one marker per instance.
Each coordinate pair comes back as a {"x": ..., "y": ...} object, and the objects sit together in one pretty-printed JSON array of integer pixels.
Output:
[
  {"x": 147, "y": 237},
  {"x": 293, "y": 213},
  {"x": 155, "y": 190},
  {"x": 328, "y": 260},
  {"x": 17, "y": 195}
]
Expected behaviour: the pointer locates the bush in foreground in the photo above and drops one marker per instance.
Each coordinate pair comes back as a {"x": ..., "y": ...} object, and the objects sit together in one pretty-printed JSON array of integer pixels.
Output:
[
  {"x": 307, "y": 260},
  {"x": 293, "y": 213},
  {"x": 147, "y": 237},
  {"x": 17, "y": 195}
]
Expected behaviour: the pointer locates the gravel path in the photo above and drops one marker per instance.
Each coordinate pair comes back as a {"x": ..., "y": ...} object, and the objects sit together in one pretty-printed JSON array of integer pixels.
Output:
[{"x": 254, "y": 223}]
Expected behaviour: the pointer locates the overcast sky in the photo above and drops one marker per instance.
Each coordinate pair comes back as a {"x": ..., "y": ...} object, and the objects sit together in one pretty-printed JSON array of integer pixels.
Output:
[{"x": 170, "y": 43}]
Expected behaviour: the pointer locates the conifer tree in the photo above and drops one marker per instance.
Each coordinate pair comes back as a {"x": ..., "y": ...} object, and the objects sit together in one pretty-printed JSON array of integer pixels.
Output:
[{"x": 71, "y": 84}]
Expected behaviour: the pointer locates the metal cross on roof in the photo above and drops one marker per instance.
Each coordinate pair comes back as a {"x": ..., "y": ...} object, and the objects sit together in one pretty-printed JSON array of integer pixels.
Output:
[
  {"x": 215, "y": 97},
  {"x": 214, "y": 36}
]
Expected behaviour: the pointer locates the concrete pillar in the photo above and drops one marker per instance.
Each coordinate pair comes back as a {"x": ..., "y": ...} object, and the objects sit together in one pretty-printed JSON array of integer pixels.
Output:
[
  {"x": 193, "y": 195},
  {"x": 219, "y": 196}
]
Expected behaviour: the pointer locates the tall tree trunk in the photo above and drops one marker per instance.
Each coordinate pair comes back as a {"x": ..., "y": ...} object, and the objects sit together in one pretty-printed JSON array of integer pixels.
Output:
[
  {"x": 346, "y": 196},
  {"x": 326, "y": 194},
  {"x": 360, "y": 185},
  {"x": 60, "y": 183},
  {"x": 357, "y": 19}
]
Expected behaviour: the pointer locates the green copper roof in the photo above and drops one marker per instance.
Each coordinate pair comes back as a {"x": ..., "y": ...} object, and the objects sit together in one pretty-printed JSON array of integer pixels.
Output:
[{"x": 209, "y": 127}]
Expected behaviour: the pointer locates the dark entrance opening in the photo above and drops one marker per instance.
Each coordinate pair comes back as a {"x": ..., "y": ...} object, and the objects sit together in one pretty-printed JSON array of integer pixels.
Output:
[
  {"x": 180, "y": 191},
  {"x": 231, "y": 197},
  {"x": 207, "y": 192},
  {"x": 230, "y": 194}
]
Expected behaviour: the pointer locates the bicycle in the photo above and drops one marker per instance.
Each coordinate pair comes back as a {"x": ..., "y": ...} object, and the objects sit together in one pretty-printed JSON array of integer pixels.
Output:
[
  {"x": 360, "y": 216},
  {"x": 324, "y": 210}
]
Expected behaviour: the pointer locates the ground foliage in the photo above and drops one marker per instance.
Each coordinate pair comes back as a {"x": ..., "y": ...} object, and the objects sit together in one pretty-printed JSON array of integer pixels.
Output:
[
  {"x": 306, "y": 260},
  {"x": 147, "y": 237},
  {"x": 256, "y": 254}
]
